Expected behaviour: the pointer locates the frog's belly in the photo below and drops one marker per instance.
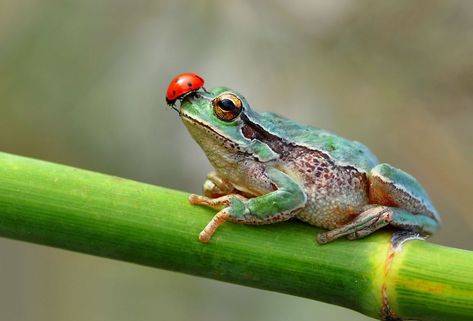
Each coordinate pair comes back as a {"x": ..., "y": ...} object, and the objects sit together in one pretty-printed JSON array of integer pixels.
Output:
[
  {"x": 329, "y": 212},
  {"x": 334, "y": 197}
]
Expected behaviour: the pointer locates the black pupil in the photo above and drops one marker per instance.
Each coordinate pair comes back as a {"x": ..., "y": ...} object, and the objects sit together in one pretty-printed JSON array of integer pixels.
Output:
[{"x": 227, "y": 105}]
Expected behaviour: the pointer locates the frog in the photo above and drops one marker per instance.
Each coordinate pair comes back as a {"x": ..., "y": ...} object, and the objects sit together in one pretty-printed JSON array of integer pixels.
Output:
[{"x": 269, "y": 169}]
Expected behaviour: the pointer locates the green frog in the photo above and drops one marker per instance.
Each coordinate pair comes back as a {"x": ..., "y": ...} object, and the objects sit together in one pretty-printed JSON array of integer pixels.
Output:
[{"x": 269, "y": 169}]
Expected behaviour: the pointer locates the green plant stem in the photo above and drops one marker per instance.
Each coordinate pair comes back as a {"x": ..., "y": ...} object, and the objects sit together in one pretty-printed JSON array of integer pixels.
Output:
[{"x": 79, "y": 210}]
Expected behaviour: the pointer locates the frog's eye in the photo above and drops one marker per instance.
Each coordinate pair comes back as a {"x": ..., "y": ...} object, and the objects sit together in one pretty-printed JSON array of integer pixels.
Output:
[{"x": 227, "y": 106}]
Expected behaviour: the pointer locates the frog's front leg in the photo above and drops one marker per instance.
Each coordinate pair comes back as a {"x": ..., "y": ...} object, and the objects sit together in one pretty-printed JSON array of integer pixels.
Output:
[
  {"x": 276, "y": 206},
  {"x": 396, "y": 199}
]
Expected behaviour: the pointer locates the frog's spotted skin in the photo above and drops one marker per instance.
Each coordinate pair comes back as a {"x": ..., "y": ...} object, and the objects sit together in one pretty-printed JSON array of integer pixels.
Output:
[
  {"x": 335, "y": 193},
  {"x": 269, "y": 169}
]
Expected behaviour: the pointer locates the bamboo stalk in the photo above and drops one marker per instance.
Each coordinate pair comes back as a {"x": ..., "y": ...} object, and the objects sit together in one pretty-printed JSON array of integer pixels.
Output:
[{"x": 88, "y": 212}]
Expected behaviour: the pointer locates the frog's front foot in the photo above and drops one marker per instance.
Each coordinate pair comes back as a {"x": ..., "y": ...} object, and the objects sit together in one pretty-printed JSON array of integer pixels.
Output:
[
  {"x": 276, "y": 206},
  {"x": 221, "y": 217}
]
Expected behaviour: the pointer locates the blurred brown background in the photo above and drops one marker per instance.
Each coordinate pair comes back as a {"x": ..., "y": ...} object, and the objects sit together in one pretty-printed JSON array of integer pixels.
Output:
[{"x": 83, "y": 82}]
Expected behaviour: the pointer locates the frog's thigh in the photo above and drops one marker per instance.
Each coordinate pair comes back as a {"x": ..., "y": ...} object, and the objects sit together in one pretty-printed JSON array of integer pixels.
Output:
[
  {"x": 393, "y": 187},
  {"x": 276, "y": 206},
  {"x": 378, "y": 216},
  {"x": 215, "y": 186}
]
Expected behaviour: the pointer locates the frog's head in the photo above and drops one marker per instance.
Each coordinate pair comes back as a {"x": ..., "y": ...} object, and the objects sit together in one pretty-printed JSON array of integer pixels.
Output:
[
  {"x": 219, "y": 121},
  {"x": 215, "y": 116}
]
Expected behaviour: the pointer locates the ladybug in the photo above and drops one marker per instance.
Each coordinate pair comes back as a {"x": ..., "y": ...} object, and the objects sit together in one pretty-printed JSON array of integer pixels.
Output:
[{"x": 183, "y": 85}]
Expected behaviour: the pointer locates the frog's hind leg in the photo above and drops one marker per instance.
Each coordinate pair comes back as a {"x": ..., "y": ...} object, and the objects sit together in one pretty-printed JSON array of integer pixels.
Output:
[
  {"x": 396, "y": 199},
  {"x": 376, "y": 217}
]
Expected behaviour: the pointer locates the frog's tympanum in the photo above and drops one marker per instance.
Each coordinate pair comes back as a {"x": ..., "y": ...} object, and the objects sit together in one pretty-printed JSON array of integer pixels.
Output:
[{"x": 269, "y": 169}]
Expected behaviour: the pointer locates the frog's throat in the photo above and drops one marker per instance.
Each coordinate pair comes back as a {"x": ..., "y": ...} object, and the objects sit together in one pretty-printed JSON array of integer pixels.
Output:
[{"x": 207, "y": 137}]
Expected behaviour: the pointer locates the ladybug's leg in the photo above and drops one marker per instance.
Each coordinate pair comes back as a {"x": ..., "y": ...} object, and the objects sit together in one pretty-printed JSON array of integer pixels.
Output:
[{"x": 173, "y": 106}]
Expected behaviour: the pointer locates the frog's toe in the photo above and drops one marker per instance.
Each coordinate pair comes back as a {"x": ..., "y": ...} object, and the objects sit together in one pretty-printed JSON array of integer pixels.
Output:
[
  {"x": 322, "y": 238},
  {"x": 216, "y": 203},
  {"x": 327, "y": 237},
  {"x": 216, "y": 186},
  {"x": 359, "y": 234},
  {"x": 194, "y": 199},
  {"x": 218, "y": 219}
]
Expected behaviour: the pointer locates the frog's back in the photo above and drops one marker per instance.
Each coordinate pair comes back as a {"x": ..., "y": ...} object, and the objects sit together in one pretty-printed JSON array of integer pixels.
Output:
[{"x": 342, "y": 151}]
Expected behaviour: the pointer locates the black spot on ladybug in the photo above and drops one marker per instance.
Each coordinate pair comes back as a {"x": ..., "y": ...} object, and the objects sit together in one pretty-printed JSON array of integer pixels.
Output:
[
  {"x": 176, "y": 81},
  {"x": 173, "y": 92},
  {"x": 189, "y": 84}
]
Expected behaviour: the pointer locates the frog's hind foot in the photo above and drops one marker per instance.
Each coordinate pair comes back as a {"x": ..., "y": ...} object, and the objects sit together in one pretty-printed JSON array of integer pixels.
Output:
[
  {"x": 364, "y": 224},
  {"x": 376, "y": 217}
]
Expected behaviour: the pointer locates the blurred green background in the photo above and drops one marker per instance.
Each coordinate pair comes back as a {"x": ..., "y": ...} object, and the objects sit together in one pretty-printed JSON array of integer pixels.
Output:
[{"x": 82, "y": 83}]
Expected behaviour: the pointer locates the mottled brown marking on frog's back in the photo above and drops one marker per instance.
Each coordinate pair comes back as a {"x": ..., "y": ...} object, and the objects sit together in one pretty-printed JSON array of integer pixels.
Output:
[{"x": 335, "y": 194}]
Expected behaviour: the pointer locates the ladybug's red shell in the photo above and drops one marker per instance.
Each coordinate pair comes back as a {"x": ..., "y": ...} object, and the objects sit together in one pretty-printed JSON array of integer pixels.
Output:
[{"x": 182, "y": 85}]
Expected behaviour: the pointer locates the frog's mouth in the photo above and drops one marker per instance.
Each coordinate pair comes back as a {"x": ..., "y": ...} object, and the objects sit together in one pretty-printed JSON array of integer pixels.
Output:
[
  {"x": 214, "y": 143},
  {"x": 195, "y": 126}
]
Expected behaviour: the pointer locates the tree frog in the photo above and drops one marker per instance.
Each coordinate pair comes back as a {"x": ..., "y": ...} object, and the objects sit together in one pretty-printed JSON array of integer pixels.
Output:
[{"x": 269, "y": 169}]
